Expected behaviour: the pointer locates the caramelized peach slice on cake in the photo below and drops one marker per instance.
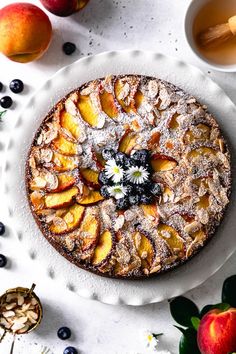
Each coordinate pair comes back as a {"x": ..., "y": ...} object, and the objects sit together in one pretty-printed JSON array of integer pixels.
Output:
[
  {"x": 65, "y": 181},
  {"x": 150, "y": 211},
  {"x": 128, "y": 142},
  {"x": 173, "y": 123},
  {"x": 61, "y": 200},
  {"x": 103, "y": 248},
  {"x": 132, "y": 104},
  {"x": 172, "y": 238},
  {"x": 89, "y": 231},
  {"x": 144, "y": 248},
  {"x": 202, "y": 151},
  {"x": 37, "y": 200},
  {"x": 197, "y": 133},
  {"x": 90, "y": 177},
  {"x": 64, "y": 163},
  {"x": 89, "y": 113},
  {"x": 64, "y": 146},
  {"x": 89, "y": 196},
  {"x": 99, "y": 160},
  {"x": 153, "y": 141},
  {"x": 108, "y": 104},
  {"x": 162, "y": 163},
  {"x": 68, "y": 122},
  {"x": 72, "y": 219}
]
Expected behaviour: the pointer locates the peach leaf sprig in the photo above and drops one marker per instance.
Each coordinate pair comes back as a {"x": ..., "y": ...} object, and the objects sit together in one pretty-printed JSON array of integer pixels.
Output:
[
  {"x": 1, "y": 115},
  {"x": 197, "y": 336}
]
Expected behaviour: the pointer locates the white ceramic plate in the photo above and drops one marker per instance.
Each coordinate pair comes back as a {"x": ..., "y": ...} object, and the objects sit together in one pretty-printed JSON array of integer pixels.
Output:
[{"x": 114, "y": 291}]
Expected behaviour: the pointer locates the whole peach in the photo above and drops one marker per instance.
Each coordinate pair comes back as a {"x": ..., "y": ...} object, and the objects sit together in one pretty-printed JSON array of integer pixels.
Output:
[
  {"x": 25, "y": 32},
  {"x": 64, "y": 8},
  {"x": 217, "y": 332}
]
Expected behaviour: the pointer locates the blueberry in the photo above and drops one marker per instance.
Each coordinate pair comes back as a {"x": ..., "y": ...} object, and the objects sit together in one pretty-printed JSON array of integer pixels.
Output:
[
  {"x": 70, "y": 350},
  {"x": 6, "y": 102},
  {"x": 104, "y": 192},
  {"x": 155, "y": 189},
  {"x": 122, "y": 203},
  {"x": 1, "y": 86},
  {"x": 3, "y": 261},
  {"x": 146, "y": 199},
  {"x": 141, "y": 157},
  {"x": 134, "y": 199},
  {"x": 64, "y": 333},
  {"x": 2, "y": 228},
  {"x": 122, "y": 160},
  {"x": 16, "y": 86},
  {"x": 138, "y": 189},
  {"x": 69, "y": 48},
  {"x": 108, "y": 154},
  {"x": 102, "y": 178}
]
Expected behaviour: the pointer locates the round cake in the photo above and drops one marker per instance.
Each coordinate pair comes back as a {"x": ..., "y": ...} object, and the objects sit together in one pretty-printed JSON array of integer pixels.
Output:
[{"x": 128, "y": 176}]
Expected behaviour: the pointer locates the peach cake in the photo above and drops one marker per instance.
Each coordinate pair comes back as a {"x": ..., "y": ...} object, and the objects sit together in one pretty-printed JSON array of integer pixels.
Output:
[{"x": 128, "y": 176}]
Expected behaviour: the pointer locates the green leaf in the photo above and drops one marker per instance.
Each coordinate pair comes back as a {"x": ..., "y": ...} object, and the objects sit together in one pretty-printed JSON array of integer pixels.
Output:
[
  {"x": 221, "y": 306},
  {"x": 182, "y": 310},
  {"x": 2, "y": 114},
  {"x": 229, "y": 291},
  {"x": 206, "y": 309},
  {"x": 195, "y": 322},
  {"x": 188, "y": 342}
]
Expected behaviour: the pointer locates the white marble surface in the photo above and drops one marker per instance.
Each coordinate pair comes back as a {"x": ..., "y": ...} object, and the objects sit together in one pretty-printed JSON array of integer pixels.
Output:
[{"x": 98, "y": 328}]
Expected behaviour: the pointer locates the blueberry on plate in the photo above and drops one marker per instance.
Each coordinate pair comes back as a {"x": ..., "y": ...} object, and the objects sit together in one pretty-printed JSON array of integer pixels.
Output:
[
  {"x": 3, "y": 261},
  {"x": 1, "y": 86},
  {"x": 2, "y": 228},
  {"x": 155, "y": 189},
  {"x": 108, "y": 154},
  {"x": 104, "y": 192},
  {"x": 122, "y": 203},
  {"x": 70, "y": 350},
  {"x": 134, "y": 199},
  {"x": 146, "y": 199},
  {"x": 6, "y": 102},
  {"x": 141, "y": 157},
  {"x": 64, "y": 333},
  {"x": 16, "y": 86},
  {"x": 102, "y": 178},
  {"x": 122, "y": 160},
  {"x": 69, "y": 48}
]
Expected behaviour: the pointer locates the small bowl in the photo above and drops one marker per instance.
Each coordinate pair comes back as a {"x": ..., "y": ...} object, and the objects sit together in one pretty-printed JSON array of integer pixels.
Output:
[
  {"x": 192, "y": 11},
  {"x": 30, "y": 293}
]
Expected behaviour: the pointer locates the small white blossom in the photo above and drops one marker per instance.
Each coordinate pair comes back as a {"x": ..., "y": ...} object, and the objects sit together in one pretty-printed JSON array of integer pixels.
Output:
[
  {"x": 137, "y": 174},
  {"x": 118, "y": 191},
  {"x": 151, "y": 340},
  {"x": 113, "y": 171}
]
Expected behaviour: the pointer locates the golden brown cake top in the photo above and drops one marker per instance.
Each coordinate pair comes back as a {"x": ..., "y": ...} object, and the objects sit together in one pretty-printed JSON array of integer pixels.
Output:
[{"x": 128, "y": 176}]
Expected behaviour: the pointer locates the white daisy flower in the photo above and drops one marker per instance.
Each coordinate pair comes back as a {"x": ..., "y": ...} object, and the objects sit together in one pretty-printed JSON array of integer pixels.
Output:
[
  {"x": 137, "y": 174},
  {"x": 118, "y": 191},
  {"x": 113, "y": 171},
  {"x": 151, "y": 340}
]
